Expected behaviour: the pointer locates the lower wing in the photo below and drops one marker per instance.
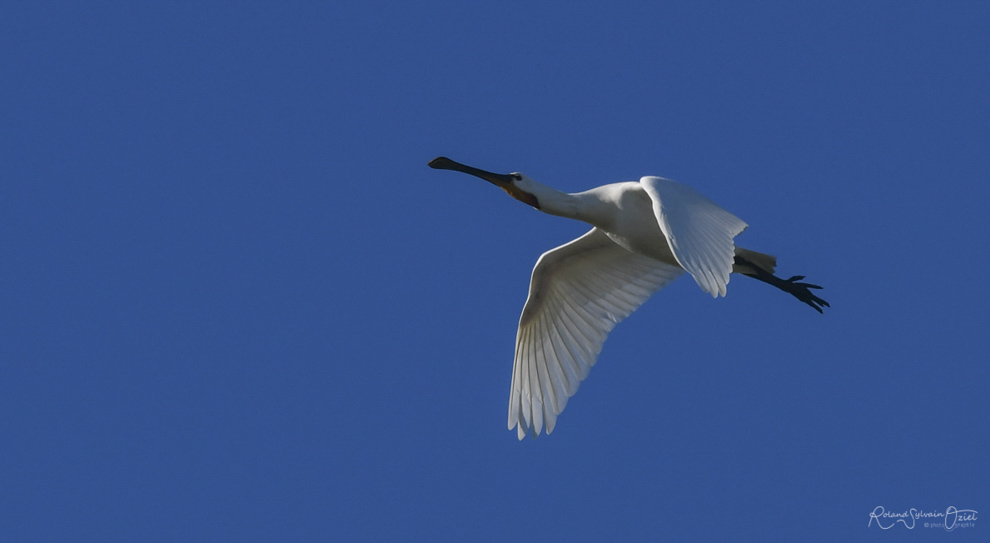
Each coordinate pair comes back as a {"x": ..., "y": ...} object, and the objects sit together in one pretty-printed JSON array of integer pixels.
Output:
[{"x": 578, "y": 293}]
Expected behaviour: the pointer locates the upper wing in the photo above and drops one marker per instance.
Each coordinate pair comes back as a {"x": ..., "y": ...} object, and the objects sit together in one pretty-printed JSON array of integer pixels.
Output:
[
  {"x": 578, "y": 293},
  {"x": 699, "y": 232}
]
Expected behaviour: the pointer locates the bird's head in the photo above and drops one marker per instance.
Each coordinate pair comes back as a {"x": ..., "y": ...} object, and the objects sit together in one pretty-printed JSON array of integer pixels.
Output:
[{"x": 516, "y": 184}]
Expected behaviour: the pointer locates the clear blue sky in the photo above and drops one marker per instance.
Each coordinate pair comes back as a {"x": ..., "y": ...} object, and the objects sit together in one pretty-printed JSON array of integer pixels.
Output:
[{"x": 235, "y": 304}]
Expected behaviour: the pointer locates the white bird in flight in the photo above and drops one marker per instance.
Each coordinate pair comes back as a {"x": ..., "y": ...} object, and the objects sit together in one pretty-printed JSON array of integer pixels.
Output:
[{"x": 644, "y": 235}]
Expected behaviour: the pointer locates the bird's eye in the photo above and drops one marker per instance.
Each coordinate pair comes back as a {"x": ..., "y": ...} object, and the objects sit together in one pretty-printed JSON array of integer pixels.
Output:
[{"x": 516, "y": 177}]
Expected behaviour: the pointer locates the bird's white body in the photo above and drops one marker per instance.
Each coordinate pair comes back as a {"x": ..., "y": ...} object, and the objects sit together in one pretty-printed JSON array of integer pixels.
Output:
[
  {"x": 645, "y": 234},
  {"x": 623, "y": 211}
]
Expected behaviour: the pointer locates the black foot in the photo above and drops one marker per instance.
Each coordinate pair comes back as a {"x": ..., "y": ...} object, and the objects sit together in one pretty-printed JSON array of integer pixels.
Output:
[{"x": 802, "y": 291}]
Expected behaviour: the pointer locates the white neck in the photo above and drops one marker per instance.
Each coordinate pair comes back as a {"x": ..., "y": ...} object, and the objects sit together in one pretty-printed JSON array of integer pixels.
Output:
[{"x": 581, "y": 206}]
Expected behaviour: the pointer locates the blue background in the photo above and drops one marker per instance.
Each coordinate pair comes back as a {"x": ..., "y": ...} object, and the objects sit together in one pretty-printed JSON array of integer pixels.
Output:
[{"x": 235, "y": 304}]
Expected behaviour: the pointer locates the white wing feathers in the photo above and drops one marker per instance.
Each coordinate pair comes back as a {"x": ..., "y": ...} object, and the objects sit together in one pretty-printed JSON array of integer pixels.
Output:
[
  {"x": 578, "y": 293},
  {"x": 699, "y": 232}
]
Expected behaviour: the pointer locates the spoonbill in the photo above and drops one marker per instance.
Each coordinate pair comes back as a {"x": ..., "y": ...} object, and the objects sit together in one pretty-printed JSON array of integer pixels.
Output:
[{"x": 644, "y": 235}]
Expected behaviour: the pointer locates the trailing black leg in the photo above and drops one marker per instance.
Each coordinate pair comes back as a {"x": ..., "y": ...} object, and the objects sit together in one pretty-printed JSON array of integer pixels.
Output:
[{"x": 801, "y": 291}]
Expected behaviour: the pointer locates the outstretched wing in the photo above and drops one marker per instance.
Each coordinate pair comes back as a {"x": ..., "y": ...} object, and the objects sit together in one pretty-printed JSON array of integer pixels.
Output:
[
  {"x": 700, "y": 233},
  {"x": 578, "y": 293}
]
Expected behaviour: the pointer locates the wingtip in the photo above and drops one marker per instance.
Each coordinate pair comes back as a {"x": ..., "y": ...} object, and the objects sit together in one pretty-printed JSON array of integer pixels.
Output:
[{"x": 523, "y": 430}]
